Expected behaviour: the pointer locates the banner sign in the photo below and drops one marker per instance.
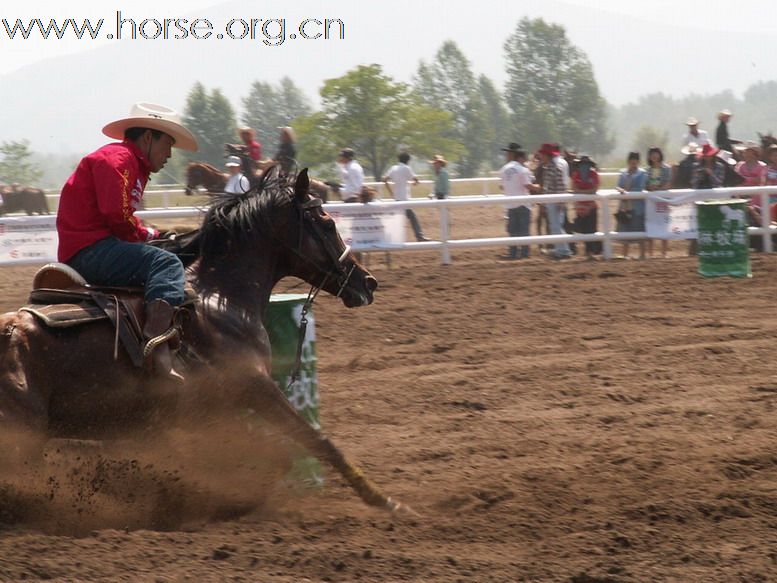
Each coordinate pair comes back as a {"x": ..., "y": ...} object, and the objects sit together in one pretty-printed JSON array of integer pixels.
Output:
[
  {"x": 26, "y": 241},
  {"x": 367, "y": 227},
  {"x": 670, "y": 221}
]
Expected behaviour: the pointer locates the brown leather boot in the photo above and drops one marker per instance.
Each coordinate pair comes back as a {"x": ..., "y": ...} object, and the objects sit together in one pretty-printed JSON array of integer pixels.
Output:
[{"x": 159, "y": 320}]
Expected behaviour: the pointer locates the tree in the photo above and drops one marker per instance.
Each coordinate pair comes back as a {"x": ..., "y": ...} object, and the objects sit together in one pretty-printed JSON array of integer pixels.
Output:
[
  {"x": 377, "y": 117},
  {"x": 16, "y": 165},
  {"x": 448, "y": 83},
  {"x": 267, "y": 108},
  {"x": 550, "y": 77},
  {"x": 211, "y": 118},
  {"x": 649, "y": 137},
  {"x": 499, "y": 126}
]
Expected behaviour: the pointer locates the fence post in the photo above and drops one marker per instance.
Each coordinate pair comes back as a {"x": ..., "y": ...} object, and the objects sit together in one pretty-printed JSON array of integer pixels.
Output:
[
  {"x": 485, "y": 186},
  {"x": 444, "y": 234},
  {"x": 607, "y": 227},
  {"x": 766, "y": 222}
]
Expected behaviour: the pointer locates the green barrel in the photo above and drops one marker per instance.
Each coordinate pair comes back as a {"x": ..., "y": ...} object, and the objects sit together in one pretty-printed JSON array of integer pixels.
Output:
[
  {"x": 282, "y": 323},
  {"x": 723, "y": 241}
]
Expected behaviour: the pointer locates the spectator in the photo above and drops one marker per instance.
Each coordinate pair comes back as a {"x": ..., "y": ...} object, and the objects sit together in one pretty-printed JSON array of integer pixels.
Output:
[
  {"x": 554, "y": 181},
  {"x": 442, "y": 184},
  {"x": 695, "y": 135},
  {"x": 722, "y": 139},
  {"x": 771, "y": 169},
  {"x": 754, "y": 172},
  {"x": 253, "y": 147},
  {"x": 585, "y": 180},
  {"x": 352, "y": 176},
  {"x": 709, "y": 170},
  {"x": 237, "y": 183},
  {"x": 631, "y": 213},
  {"x": 401, "y": 175},
  {"x": 659, "y": 177},
  {"x": 683, "y": 173},
  {"x": 751, "y": 168},
  {"x": 286, "y": 156},
  {"x": 517, "y": 180}
]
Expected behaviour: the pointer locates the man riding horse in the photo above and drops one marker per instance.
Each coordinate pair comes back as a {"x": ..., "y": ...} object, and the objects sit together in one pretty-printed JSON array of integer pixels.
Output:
[{"x": 99, "y": 234}]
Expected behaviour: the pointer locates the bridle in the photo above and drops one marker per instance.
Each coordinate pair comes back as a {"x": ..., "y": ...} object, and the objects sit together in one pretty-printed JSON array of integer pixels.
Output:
[{"x": 340, "y": 272}]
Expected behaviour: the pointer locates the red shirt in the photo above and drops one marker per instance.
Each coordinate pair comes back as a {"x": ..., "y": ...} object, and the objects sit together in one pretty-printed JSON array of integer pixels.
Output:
[
  {"x": 100, "y": 198},
  {"x": 584, "y": 207},
  {"x": 255, "y": 150}
]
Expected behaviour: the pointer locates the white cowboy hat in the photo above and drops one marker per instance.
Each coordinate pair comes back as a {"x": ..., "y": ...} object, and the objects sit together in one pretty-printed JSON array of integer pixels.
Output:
[
  {"x": 233, "y": 161},
  {"x": 153, "y": 117},
  {"x": 691, "y": 148},
  {"x": 692, "y": 121}
]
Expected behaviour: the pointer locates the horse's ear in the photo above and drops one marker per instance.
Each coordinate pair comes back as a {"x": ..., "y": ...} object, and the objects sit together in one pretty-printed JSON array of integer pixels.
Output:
[{"x": 302, "y": 185}]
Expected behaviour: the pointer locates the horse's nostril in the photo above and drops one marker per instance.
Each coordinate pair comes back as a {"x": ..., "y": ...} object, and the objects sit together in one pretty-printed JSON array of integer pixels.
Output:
[{"x": 372, "y": 283}]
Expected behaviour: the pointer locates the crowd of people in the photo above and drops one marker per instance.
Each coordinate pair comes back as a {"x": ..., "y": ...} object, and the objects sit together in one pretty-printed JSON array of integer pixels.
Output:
[{"x": 705, "y": 164}]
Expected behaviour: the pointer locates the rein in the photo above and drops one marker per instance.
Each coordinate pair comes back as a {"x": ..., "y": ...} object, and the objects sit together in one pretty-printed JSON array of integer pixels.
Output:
[{"x": 340, "y": 272}]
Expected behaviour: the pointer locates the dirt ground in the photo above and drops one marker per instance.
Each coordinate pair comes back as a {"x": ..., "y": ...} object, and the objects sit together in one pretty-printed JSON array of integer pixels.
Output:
[{"x": 576, "y": 421}]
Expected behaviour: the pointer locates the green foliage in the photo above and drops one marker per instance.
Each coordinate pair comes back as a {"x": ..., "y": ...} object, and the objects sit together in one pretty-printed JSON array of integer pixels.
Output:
[
  {"x": 377, "y": 117},
  {"x": 16, "y": 165},
  {"x": 448, "y": 83},
  {"x": 648, "y": 137},
  {"x": 269, "y": 107},
  {"x": 498, "y": 132},
  {"x": 551, "y": 78},
  {"x": 211, "y": 118},
  {"x": 755, "y": 112}
]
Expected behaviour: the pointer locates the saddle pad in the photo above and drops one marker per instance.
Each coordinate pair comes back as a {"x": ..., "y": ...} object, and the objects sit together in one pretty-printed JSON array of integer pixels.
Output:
[{"x": 66, "y": 315}]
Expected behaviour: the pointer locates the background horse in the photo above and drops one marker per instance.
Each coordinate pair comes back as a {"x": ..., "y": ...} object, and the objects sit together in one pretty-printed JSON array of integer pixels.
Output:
[
  {"x": 205, "y": 175},
  {"x": 16, "y": 198},
  {"x": 69, "y": 383}
]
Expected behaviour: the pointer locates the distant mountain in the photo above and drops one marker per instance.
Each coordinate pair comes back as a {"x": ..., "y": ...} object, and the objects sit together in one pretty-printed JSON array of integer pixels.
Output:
[{"x": 61, "y": 103}]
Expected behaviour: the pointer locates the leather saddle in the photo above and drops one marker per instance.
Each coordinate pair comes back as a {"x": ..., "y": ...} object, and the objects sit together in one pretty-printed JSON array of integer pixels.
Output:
[{"x": 62, "y": 298}]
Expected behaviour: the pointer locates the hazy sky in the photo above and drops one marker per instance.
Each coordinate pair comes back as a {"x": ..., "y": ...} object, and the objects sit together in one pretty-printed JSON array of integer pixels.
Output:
[
  {"x": 95, "y": 80},
  {"x": 710, "y": 16}
]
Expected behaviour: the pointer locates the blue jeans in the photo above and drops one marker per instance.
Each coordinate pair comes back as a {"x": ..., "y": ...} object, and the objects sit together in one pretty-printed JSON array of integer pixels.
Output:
[
  {"x": 111, "y": 261},
  {"x": 518, "y": 220},
  {"x": 557, "y": 212}
]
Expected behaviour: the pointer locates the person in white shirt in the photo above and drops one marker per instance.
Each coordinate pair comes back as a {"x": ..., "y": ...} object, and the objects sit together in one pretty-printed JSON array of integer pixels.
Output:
[
  {"x": 517, "y": 180},
  {"x": 237, "y": 183},
  {"x": 401, "y": 175},
  {"x": 695, "y": 135},
  {"x": 352, "y": 176}
]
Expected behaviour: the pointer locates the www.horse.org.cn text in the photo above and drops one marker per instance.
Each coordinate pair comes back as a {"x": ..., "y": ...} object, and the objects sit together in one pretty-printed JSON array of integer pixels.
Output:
[{"x": 269, "y": 31}]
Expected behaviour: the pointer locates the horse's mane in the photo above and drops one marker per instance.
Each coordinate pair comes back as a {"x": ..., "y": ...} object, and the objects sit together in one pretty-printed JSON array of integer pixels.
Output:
[{"x": 230, "y": 231}]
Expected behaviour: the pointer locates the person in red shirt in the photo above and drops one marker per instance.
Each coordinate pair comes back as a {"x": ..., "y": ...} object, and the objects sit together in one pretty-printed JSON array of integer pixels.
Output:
[
  {"x": 99, "y": 234},
  {"x": 585, "y": 180},
  {"x": 253, "y": 147}
]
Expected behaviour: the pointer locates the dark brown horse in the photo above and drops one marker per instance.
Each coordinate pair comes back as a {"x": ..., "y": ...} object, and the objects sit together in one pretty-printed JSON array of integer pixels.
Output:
[
  {"x": 205, "y": 175},
  {"x": 17, "y": 198},
  {"x": 69, "y": 383},
  {"x": 214, "y": 180}
]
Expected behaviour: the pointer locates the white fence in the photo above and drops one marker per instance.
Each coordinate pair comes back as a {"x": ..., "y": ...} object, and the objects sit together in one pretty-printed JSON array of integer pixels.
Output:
[{"x": 608, "y": 201}]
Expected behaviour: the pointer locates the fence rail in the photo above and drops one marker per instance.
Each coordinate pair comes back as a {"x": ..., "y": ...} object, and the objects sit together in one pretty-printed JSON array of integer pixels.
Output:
[{"x": 607, "y": 200}]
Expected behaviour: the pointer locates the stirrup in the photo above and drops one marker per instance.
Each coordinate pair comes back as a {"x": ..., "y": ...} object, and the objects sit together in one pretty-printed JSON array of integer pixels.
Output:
[{"x": 152, "y": 343}]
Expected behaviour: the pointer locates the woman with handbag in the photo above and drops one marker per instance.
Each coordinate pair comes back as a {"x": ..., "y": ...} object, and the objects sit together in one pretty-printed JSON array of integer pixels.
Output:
[{"x": 631, "y": 213}]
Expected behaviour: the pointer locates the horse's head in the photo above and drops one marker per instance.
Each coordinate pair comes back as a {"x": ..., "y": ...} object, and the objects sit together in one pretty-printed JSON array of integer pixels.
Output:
[
  {"x": 202, "y": 174},
  {"x": 250, "y": 241},
  {"x": 318, "y": 254}
]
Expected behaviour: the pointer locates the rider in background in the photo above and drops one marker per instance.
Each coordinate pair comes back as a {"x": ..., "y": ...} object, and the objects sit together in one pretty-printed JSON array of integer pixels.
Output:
[
  {"x": 253, "y": 147},
  {"x": 352, "y": 176},
  {"x": 237, "y": 183},
  {"x": 99, "y": 234}
]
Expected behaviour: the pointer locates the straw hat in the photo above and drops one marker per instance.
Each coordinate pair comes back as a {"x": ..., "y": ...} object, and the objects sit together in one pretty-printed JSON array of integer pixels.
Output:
[
  {"x": 744, "y": 147},
  {"x": 692, "y": 121},
  {"x": 153, "y": 117},
  {"x": 246, "y": 130},
  {"x": 689, "y": 149},
  {"x": 438, "y": 159}
]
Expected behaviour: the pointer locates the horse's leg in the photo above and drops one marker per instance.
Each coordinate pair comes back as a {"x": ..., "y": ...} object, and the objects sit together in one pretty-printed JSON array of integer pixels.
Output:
[
  {"x": 263, "y": 395},
  {"x": 23, "y": 407}
]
